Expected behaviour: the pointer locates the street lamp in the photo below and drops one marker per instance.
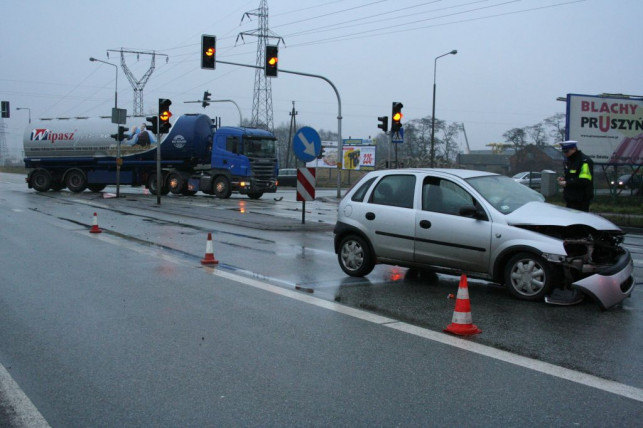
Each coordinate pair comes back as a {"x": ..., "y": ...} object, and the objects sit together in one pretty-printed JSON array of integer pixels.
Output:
[
  {"x": 118, "y": 141},
  {"x": 25, "y": 108},
  {"x": 435, "y": 63}
]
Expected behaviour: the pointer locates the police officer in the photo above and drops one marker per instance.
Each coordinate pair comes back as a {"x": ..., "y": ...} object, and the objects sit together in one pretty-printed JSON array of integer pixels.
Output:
[{"x": 577, "y": 184}]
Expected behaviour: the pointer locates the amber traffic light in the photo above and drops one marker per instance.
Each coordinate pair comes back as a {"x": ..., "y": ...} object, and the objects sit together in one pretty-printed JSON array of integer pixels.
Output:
[
  {"x": 397, "y": 116},
  {"x": 272, "y": 61},
  {"x": 164, "y": 115},
  {"x": 208, "y": 52}
]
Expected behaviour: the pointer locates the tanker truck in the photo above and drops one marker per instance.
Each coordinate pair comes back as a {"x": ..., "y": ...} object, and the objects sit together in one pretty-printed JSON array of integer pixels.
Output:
[{"x": 80, "y": 154}]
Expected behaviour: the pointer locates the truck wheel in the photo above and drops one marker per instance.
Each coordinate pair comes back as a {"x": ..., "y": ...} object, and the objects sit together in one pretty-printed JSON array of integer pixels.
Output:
[
  {"x": 255, "y": 195},
  {"x": 222, "y": 188},
  {"x": 151, "y": 184},
  {"x": 175, "y": 183},
  {"x": 96, "y": 187},
  {"x": 76, "y": 180},
  {"x": 41, "y": 180}
]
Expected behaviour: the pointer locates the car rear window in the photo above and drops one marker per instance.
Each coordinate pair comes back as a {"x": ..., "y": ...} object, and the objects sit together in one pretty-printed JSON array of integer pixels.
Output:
[{"x": 394, "y": 190}]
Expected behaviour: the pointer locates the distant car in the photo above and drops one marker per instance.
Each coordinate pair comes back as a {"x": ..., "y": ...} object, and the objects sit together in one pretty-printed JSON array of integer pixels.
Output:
[
  {"x": 287, "y": 177},
  {"x": 628, "y": 181},
  {"x": 485, "y": 225},
  {"x": 530, "y": 179}
]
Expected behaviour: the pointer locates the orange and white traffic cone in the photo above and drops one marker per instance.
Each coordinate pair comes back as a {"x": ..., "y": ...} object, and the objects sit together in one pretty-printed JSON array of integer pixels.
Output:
[
  {"x": 209, "y": 253},
  {"x": 95, "y": 228},
  {"x": 462, "y": 323}
]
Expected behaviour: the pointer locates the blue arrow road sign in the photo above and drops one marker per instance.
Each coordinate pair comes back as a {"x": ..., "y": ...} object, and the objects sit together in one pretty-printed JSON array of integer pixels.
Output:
[{"x": 306, "y": 144}]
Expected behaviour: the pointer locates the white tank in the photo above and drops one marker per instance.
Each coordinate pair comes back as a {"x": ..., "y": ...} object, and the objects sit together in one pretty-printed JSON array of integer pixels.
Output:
[{"x": 84, "y": 138}]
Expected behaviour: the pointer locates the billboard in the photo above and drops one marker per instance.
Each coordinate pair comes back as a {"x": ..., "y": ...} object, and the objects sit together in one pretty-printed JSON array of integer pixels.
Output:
[
  {"x": 356, "y": 156},
  {"x": 609, "y": 129}
]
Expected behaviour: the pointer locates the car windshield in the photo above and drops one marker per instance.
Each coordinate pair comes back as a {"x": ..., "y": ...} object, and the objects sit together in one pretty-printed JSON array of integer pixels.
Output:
[
  {"x": 256, "y": 147},
  {"x": 505, "y": 194}
]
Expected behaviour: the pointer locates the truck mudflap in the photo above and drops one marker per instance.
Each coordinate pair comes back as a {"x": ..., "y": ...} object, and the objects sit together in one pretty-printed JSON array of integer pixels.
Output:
[{"x": 610, "y": 287}]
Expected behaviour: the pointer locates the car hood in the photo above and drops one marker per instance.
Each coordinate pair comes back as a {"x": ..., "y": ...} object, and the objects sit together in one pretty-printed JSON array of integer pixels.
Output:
[{"x": 542, "y": 213}]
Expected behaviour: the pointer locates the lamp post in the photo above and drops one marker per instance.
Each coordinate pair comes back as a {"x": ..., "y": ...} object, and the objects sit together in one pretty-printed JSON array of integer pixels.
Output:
[
  {"x": 118, "y": 141},
  {"x": 25, "y": 108},
  {"x": 435, "y": 63}
]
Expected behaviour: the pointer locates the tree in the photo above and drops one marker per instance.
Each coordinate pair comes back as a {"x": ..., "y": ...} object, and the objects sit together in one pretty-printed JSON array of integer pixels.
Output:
[
  {"x": 449, "y": 135},
  {"x": 537, "y": 134},
  {"x": 556, "y": 123}
]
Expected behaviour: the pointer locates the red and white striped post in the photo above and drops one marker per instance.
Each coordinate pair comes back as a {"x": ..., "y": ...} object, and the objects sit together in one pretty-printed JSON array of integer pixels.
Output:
[{"x": 306, "y": 183}]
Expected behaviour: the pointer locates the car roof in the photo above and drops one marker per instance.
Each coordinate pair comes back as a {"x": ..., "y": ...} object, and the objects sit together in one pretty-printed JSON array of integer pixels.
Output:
[{"x": 461, "y": 173}]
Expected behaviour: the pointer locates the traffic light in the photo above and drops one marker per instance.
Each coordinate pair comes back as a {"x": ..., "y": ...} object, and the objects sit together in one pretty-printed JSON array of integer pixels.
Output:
[
  {"x": 153, "y": 124},
  {"x": 6, "y": 111},
  {"x": 164, "y": 115},
  {"x": 206, "y": 99},
  {"x": 384, "y": 125},
  {"x": 208, "y": 52},
  {"x": 272, "y": 60},
  {"x": 121, "y": 134},
  {"x": 397, "y": 115}
]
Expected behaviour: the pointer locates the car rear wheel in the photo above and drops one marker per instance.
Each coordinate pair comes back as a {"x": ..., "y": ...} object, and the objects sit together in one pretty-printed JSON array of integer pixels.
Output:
[
  {"x": 529, "y": 277},
  {"x": 355, "y": 257}
]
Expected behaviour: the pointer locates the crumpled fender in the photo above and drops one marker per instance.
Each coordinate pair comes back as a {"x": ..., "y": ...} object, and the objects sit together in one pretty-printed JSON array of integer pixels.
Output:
[{"x": 612, "y": 286}]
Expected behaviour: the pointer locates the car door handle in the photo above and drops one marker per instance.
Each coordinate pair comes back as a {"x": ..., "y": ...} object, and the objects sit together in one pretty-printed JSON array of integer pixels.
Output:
[
  {"x": 425, "y": 224},
  {"x": 370, "y": 216}
]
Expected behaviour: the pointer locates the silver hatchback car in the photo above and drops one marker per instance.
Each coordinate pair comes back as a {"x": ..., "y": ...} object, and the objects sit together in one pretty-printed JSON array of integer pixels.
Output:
[{"x": 484, "y": 225}]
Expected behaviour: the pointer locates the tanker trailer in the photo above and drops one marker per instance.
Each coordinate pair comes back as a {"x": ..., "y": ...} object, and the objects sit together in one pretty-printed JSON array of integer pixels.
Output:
[{"x": 82, "y": 153}]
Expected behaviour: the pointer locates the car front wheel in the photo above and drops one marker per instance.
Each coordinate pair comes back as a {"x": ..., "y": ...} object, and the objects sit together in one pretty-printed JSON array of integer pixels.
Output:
[
  {"x": 529, "y": 277},
  {"x": 355, "y": 257}
]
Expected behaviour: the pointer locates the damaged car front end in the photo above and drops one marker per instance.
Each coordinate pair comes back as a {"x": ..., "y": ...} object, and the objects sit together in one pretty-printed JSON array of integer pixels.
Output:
[{"x": 595, "y": 263}]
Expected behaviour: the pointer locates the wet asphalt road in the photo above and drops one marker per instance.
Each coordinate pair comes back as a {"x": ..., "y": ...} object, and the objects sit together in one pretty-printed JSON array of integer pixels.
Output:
[{"x": 265, "y": 240}]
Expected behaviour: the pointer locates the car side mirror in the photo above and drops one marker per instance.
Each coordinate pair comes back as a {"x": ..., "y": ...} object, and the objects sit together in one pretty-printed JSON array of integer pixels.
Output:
[{"x": 472, "y": 211}]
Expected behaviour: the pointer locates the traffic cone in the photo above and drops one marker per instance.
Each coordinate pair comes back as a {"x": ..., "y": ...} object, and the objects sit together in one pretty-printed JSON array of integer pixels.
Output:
[
  {"x": 209, "y": 253},
  {"x": 462, "y": 324},
  {"x": 95, "y": 228}
]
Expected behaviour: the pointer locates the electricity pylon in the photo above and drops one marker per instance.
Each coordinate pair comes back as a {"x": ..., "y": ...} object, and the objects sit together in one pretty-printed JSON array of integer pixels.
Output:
[
  {"x": 262, "y": 97},
  {"x": 138, "y": 84}
]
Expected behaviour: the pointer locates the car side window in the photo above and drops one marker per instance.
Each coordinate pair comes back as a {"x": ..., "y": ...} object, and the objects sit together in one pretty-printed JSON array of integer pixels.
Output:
[
  {"x": 359, "y": 194},
  {"x": 395, "y": 191},
  {"x": 444, "y": 196}
]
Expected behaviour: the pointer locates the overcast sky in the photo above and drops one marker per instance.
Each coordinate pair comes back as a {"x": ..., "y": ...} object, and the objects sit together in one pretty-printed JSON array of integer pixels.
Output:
[{"x": 514, "y": 58}]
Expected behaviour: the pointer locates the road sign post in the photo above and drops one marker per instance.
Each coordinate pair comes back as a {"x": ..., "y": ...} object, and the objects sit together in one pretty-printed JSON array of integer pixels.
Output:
[{"x": 306, "y": 183}]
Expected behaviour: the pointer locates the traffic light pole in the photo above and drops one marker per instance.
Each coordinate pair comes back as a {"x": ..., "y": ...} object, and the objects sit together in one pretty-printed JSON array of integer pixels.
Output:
[{"x": 339, "y": 116}]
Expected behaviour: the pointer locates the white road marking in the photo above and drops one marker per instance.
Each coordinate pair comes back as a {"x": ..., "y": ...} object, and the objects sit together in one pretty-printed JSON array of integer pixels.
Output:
[
  {"x": 446, "y": 339},
  {"x": 25, "y": 413}
]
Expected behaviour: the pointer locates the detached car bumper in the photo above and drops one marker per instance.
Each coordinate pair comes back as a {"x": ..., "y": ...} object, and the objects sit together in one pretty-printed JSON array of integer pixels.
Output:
[{"x": 611, "y": 286}]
